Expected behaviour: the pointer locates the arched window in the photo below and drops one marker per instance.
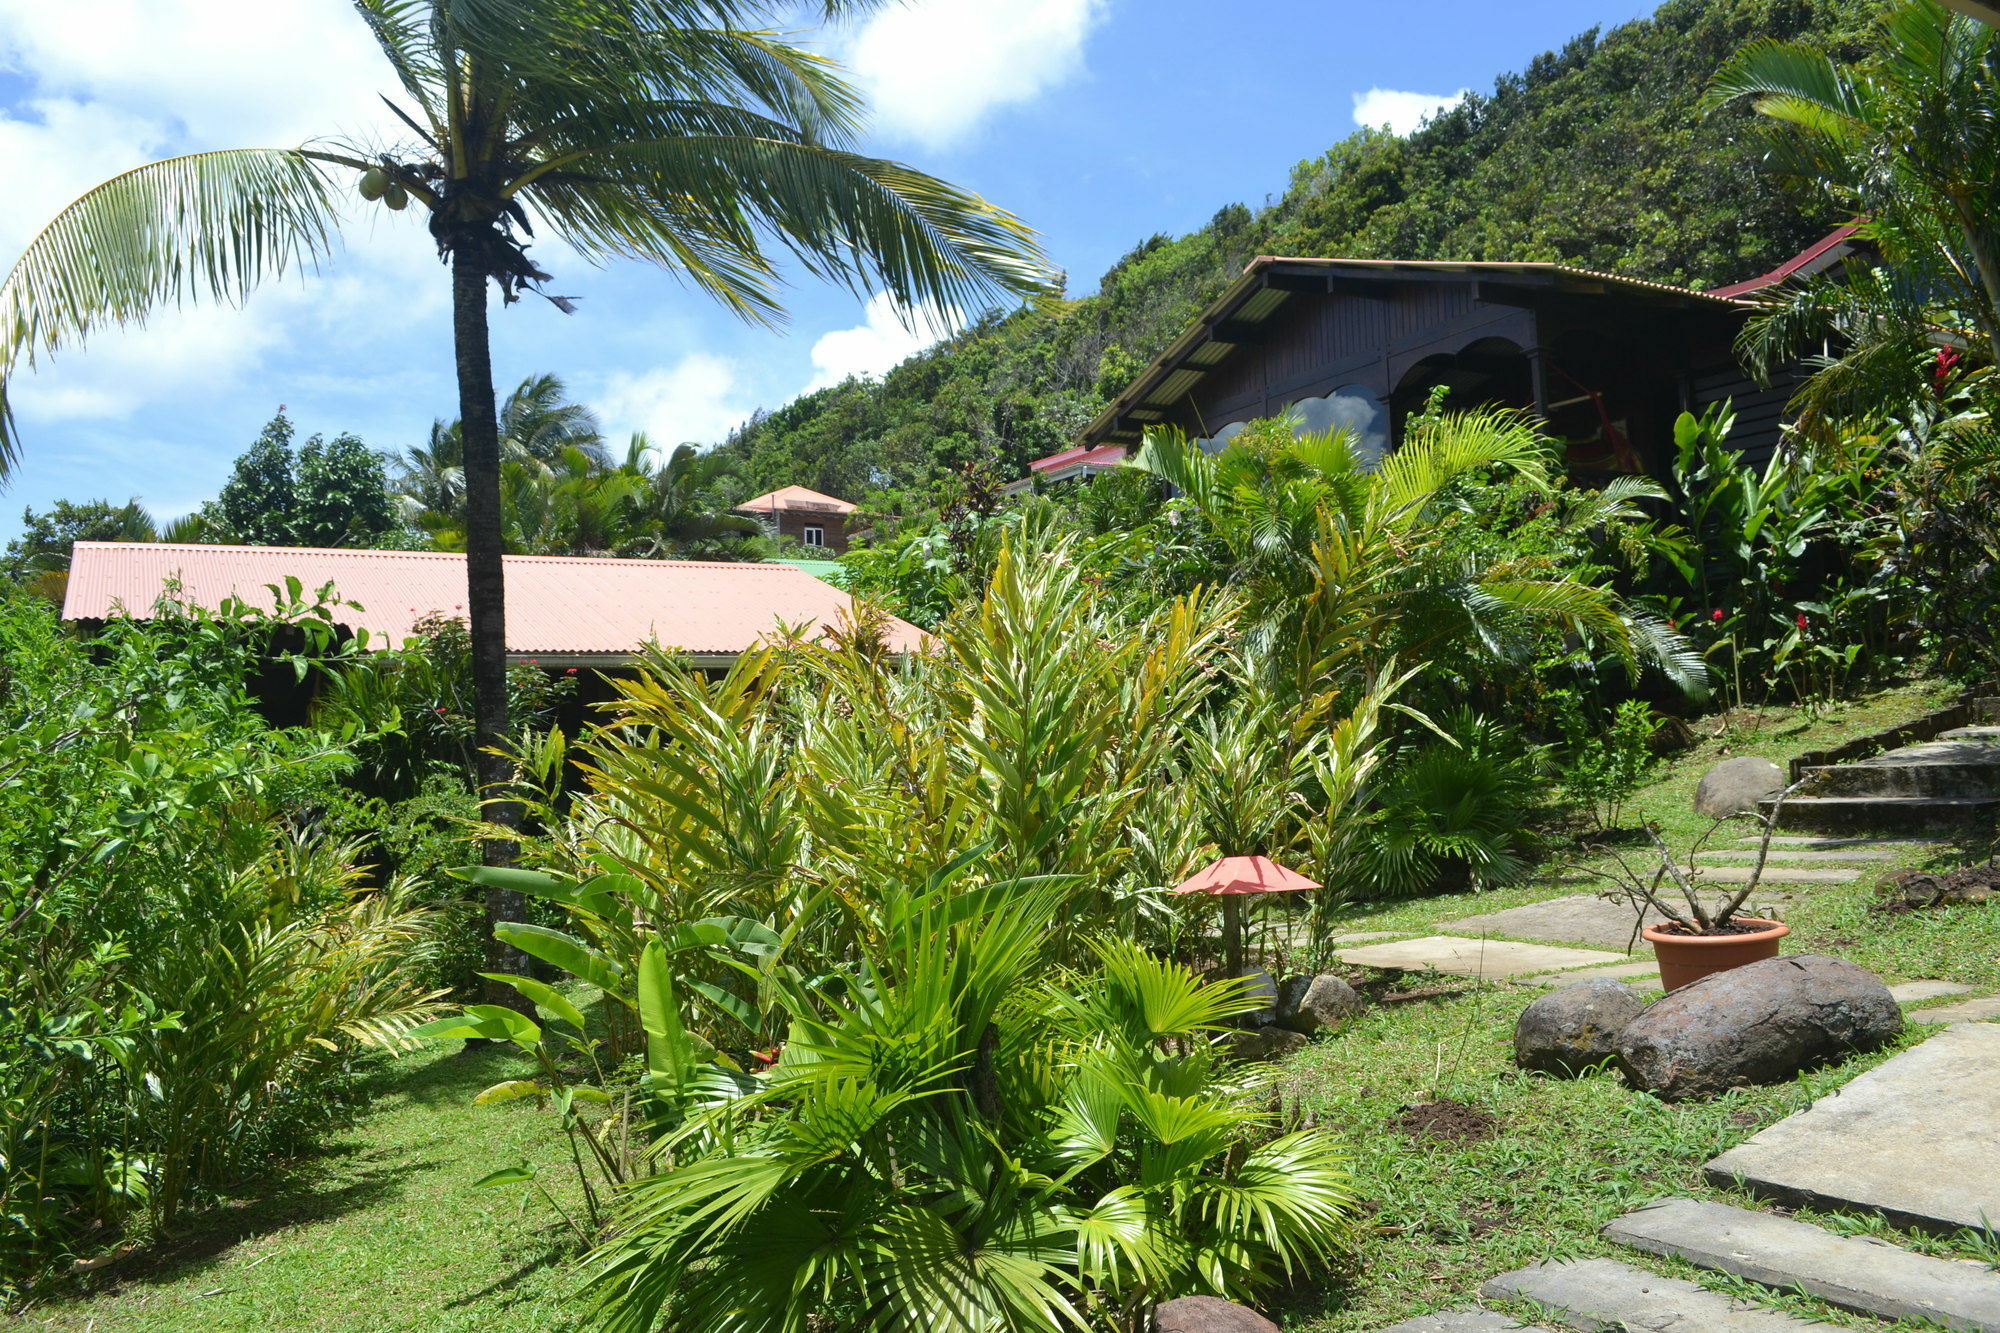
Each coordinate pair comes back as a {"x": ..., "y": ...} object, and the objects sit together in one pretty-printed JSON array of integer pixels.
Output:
[{"x": 1354, "y": 409}]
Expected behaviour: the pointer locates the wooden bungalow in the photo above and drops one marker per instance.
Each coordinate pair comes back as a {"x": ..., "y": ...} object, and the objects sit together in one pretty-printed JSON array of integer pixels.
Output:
[{"x": 1608, "y": 362}]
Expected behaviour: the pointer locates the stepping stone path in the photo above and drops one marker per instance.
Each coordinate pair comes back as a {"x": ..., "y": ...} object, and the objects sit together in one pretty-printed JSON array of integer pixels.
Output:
[
  {"x": 1593, "y": 1294},
  {"x": 1917, "y": 1139},
  {"x": 1637, "y": 975},
  {"x": 1966, "y": 1011},
  {"x": 1862, "y": 1275}
]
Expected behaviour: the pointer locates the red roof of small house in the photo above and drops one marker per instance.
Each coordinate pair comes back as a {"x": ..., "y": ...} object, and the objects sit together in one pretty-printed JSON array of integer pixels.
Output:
[
  {"x": 796, "y": 498},
  {"x": 558, "y": 607},
  {"x": 1815, "y": 258},
  {"x": 1245, "y": 874},
  {"x": 1104, "y": 455}
]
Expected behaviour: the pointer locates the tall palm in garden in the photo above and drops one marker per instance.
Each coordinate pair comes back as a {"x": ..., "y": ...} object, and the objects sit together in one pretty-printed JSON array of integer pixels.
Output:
[
  {"x": 675, "y": 132},
  {"x": 1908, "y": 144}
]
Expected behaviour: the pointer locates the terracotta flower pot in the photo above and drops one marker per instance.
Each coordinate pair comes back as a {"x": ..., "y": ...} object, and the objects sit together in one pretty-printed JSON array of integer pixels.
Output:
[{"x": 1687, "y": 958}]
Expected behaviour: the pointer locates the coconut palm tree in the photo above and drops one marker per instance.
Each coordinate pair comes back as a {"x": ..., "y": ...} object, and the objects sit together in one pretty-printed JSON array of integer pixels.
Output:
[
  {"x": 675, "y": 132},
  {"x": 1908, "y": 143}
]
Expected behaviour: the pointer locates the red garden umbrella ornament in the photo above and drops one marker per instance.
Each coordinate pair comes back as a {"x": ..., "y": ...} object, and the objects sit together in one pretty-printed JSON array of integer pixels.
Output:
[{"x": 1230, "y": 879}]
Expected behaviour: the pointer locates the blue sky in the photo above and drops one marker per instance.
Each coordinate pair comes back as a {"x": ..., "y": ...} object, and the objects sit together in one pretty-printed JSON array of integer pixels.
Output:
[{"x": 1097, "y": 121}]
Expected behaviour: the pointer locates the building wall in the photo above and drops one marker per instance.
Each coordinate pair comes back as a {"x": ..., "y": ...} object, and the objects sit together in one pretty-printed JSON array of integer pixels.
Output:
[{"x": 793, "y": 523}]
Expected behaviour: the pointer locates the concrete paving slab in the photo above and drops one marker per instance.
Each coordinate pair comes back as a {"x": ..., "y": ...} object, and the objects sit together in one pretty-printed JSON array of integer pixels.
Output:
[
  {"x": 1867, "y": 1276},
  {"x": 1775, "y": 873},
  {"x": 1795, "y": 856},
  {"x": 1820, "y": 840},
  {"x": 1638, "y": 975},
  {"x": 1593, "y": 1294},
  {"x": 1965, "y": 1011},
  {"x": 1917, "y": 1138},
  {"x": 1471, "y": 958},
  {"x": 1580, "y": 919},
  {"x": 1915, "y": 992},
  {"x": 1472, "y": 1319},
  {"x": 1363, "y": 936}
]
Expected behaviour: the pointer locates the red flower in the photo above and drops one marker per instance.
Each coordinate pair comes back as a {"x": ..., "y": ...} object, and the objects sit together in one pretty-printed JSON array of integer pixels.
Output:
[
  {"x": 1673, "y": 624},
  {"x": 1802, "y": 620},
  {"x": 1947, "y": 361},
  {"x": 570, "y": 672},
  {"x": 1717, "y": 616},
  {"x": 440, "y": 712}
]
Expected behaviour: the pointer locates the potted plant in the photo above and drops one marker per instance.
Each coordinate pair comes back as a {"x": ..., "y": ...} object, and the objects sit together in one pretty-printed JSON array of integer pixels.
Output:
[{"x": 1700, "y": 936}]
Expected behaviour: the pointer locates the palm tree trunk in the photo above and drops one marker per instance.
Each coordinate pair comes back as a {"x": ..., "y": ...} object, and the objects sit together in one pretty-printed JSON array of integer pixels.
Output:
[{"x": 485, "y": 597}]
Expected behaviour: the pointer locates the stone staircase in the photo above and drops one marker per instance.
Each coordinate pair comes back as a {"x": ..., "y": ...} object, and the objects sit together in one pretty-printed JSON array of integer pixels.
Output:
[
  {"x": 1950, "y": 782},
  {"x": 1915, "y": 1140}
]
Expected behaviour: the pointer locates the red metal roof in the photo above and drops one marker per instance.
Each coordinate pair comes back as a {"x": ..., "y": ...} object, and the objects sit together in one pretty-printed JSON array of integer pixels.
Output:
[
  {"x": 1102, "y": 455},
  {"x": 1245, "y": 874},
  {"x": 796, "y": 497},
  {"x": 1814, "y": 258},
  {"x": 557, "y": 606}
]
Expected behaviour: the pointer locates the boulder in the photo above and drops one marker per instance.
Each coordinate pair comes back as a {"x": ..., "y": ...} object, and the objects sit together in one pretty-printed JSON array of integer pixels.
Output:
[
  {"x": 1260, "y": 990},
  {"x": 1266, "y": 1043},
  {"x": 1307, "y": 1004},
  {"x": 1208, "y": 1314},
  {"x": 1573, "y": 1029},
  {"x": 1760, "y": 1023},
  {"x": 1736, "y": 785}
]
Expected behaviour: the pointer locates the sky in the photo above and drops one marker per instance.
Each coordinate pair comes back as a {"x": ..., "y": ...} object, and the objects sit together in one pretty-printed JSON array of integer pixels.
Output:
[{"x": 1098, "y": 122}]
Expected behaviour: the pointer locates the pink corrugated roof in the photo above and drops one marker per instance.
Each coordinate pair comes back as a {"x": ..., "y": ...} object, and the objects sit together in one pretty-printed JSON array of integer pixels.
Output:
[
  {"x": 796, "y": 497},
  {"x": 557, "y": 606},
  {"x": 1105, "y": 454}
]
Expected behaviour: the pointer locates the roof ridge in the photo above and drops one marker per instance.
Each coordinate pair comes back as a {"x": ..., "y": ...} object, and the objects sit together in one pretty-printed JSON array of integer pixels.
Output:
[{"x": 379, "y": 553}]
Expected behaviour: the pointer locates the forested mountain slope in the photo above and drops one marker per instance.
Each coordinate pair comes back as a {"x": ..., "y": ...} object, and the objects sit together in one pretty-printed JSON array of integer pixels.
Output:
[{"x": 1595, "y": 155}]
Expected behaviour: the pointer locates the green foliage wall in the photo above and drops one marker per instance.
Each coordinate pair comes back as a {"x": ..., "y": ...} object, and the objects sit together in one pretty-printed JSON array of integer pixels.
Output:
[{"x": 1595, "y": 155}]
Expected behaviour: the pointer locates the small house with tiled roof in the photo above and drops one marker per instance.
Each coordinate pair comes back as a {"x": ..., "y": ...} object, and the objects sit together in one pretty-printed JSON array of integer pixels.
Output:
[{"x": 813, "y": 520}]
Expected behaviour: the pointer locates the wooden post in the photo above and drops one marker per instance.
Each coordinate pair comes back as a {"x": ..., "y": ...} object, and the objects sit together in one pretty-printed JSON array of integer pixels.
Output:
[{"x": 1232, "y": 933}]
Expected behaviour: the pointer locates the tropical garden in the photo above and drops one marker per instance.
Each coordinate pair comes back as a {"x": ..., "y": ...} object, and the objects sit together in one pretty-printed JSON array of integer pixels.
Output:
[{"x": 847, "y": 991}]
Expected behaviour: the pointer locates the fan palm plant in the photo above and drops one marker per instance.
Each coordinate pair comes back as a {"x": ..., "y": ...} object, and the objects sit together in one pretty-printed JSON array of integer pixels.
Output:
[
  {"x": 674, "y": 132},
  {"x": 1908, "y": 144},
  {"x": 1342, "y": 566}
]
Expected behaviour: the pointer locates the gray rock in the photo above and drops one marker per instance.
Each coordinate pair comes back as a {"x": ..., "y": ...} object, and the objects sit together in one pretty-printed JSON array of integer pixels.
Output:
[
  {"x": 1208, "y": 1314},
  {"x": 1573, "y": 1029},
  {"x": 1736, "y": 785},
  {"x": 1307, "y": 1004},
  {"x": 1266, "y": 1043},
  {"x": 1856, "y": 1273},
  {"x": 1262, "y": 991},
  {"x": 1761, "y": 1023}
]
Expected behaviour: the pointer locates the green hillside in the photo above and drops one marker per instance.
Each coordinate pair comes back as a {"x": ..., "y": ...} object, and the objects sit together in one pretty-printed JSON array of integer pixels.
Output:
[{"x": 1595, "y": 155}]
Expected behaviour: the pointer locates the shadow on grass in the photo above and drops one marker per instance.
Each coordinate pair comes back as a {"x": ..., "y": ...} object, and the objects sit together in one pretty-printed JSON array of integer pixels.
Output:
[{"x": 341, "y": 1176}]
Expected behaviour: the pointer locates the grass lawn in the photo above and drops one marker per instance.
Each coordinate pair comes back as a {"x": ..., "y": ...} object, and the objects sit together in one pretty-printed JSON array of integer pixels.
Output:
[
  {"x": 386, "y": 1232},
  {"x": 383, "y": 1231}
]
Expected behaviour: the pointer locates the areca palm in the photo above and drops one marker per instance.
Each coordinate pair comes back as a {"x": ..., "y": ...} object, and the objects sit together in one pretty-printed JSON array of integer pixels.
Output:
[
  {"x": 1908, "y": 143},
  {"x": 674, "y": 132}
]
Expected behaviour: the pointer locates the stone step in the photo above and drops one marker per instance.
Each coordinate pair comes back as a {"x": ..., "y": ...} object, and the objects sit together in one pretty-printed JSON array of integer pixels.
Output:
[
  {"x": 1593, "y": 1294},
  {"x": 1937, "y": 768},
  {"x": 1802, "y": 855},
  {"x": 1866, "y": 1276},
  {"x": 1979, "y": 733},
  {"x": 1471, "y": 1319},
  {"x": 1780, "y": 874},
  {"x": 1839, "y": 814},
  {"x": 1916, "y": 1139}
]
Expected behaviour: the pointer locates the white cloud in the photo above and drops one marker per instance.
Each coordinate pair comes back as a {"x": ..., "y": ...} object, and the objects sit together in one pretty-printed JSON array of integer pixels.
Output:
[
  {"x": 879, "y": 342},
  {"x": 1401, "y": 112},
  {"x": 698, "y": 400},
  {"x": 933, "y": 69}
]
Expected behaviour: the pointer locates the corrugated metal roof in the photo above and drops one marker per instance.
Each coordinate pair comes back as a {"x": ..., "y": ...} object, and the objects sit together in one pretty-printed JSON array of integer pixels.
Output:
[
  {"x": 557, "y": 606},
  {"x": 797, "y": 497}
]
